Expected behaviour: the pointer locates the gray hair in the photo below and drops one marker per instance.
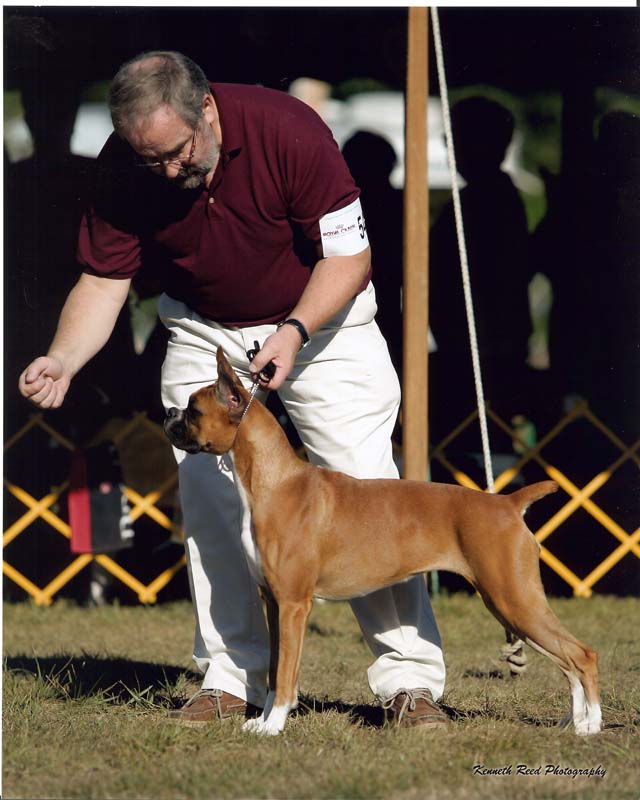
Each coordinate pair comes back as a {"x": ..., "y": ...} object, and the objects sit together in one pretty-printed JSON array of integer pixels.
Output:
[{"x": 151, "y": 80}]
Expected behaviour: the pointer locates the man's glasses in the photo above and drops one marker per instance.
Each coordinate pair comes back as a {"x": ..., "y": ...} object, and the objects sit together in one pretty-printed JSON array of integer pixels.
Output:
[{"x": 177, "y": 162}]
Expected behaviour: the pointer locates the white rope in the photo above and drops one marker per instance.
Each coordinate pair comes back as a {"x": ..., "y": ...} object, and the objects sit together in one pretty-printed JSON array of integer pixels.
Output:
[
  {"x": 464, "y": 264},
  {"x": 513, "y": 653}
]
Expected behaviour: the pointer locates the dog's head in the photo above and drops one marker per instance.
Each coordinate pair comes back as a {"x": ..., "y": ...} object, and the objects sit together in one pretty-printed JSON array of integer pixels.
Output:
[{"x": 210, "y": 420}]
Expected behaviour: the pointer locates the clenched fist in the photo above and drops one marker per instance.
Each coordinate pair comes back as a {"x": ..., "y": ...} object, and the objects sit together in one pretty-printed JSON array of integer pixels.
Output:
[{"x": 44, "y": 382}]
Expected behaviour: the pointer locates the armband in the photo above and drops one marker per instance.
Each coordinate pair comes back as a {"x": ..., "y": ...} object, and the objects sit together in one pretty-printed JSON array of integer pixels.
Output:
[{"x": 344, "y": 232}]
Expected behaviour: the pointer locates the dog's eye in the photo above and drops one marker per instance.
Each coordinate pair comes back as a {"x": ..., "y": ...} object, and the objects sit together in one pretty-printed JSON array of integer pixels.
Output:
[{"x": 193, "y": 411}]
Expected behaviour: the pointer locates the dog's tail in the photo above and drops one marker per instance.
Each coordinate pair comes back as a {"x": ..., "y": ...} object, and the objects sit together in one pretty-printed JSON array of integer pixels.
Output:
[{"x": 523, "y": 498}]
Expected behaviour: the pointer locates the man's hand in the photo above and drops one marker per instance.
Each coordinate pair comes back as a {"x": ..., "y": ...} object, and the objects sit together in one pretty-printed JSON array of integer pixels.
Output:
[
  {"x": 281, "y": 348},
  {"x": 87, "y": 319},
  {"x": 44, "y": 382},
  {"x": 334, "y": 281}
]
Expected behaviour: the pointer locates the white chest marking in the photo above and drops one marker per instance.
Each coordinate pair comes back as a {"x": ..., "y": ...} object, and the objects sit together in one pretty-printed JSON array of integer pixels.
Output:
[{"x": 248, "y": 535}]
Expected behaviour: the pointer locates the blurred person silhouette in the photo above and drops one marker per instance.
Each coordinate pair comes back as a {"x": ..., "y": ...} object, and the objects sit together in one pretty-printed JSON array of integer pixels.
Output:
[
  {"x": 371, "y": 159},
  {"x": 613, "y": 257},
  {"x": 614, "y": 385},
  {"x": 589, "y": 245},
  {"x": 497, "y": 246}
]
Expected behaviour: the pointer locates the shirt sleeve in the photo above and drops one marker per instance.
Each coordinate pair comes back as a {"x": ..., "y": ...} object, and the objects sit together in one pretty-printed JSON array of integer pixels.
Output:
[
  {"x": 317, "y": 179},
  {"x": 107, "y": 243}
]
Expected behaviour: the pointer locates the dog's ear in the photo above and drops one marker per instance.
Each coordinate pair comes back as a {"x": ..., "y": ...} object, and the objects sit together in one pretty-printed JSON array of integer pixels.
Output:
[
  {"x": 229, "y": 395},
  {"x": 229, "y": 389},
  {"x": 224, "y": 367}
]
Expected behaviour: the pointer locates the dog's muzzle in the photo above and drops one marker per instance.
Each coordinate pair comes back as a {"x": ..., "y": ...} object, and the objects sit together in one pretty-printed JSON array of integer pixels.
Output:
[{"x": 177, "y": 431}]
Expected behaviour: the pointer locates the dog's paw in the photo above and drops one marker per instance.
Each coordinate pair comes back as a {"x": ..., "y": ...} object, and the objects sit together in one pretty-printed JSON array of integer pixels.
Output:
[
  {"x": 588, "y": 730},
  {"x": 252, "y": 725},
  {"x": 586, "y": 724},
  {"x": 271, "y": 725},
  {"x": 590, "y": 724},
  {"x": 262, "y": 727}
]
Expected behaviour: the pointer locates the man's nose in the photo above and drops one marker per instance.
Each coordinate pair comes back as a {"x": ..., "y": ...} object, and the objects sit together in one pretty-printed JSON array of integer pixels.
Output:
[{"x": 170, "y": 168}]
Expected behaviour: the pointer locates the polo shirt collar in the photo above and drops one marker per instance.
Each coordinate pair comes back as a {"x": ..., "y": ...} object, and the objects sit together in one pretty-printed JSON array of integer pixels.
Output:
[{"x": 232, "y": 138}]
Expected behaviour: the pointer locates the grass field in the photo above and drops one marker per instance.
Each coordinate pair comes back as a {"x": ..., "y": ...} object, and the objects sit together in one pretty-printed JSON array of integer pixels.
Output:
[{"x": 86, "y": 693}]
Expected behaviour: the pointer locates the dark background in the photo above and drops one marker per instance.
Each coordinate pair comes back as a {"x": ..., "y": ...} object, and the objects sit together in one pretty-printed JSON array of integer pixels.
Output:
[
  {"x": 53, "y": 55},
  {"x": 519, "y": 49}
]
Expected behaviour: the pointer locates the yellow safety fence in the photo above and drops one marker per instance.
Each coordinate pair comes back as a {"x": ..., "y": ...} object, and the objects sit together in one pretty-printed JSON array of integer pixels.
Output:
[
  {"x": 146, "y": 504},
  {"x": 147, "y": 593},
  {"x": 579, "y": 498}
]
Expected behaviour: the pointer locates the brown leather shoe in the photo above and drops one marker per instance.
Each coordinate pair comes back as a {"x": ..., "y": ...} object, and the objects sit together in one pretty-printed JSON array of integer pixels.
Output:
[
  {"x": 414, "y": 707},
  {"x": 210, "y": 705}
]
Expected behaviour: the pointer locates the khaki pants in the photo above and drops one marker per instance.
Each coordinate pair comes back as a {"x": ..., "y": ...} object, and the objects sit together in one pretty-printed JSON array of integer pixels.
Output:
[{"x": 343, "y": 398}]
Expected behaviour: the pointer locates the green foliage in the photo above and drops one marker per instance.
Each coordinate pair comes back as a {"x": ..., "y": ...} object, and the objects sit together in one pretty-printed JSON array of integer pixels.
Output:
[
  {"x": 12, "y": 105},
  {"x": 344, "y": 90},
  {"x": 609, "y": 99},
  {"x": 96, "y": 92}
]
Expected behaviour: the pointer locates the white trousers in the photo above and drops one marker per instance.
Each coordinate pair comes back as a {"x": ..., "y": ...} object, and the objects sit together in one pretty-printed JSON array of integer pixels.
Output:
[{"x": 343, "y": 397}]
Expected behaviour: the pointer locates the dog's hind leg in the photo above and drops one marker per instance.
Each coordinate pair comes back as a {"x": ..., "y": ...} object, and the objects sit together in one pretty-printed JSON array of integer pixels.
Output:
[
  {"x": 521, "y": 606},
  {"x": 579, "y": 664}
]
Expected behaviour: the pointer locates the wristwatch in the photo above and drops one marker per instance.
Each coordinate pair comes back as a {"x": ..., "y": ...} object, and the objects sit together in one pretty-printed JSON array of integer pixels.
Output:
[{"x": 299, "y": 327}]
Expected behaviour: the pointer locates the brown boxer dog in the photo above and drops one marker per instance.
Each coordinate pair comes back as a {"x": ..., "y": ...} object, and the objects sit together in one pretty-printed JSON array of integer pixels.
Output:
[{"x": 319, "y": 533}]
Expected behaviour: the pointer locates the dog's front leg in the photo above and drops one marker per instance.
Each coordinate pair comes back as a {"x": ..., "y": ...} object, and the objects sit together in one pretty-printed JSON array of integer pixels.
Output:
[
  {"x": 274, "y": 646},
  {"x": 292, "y": 620}
]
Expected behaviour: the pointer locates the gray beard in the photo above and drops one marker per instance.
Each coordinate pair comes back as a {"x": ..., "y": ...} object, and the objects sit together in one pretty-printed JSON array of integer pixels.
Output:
[{"x": 194, "y": 177}]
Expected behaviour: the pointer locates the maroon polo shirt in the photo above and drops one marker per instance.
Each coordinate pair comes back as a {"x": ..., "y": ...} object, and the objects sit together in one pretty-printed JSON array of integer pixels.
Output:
[{"x": 241, "y": 251}]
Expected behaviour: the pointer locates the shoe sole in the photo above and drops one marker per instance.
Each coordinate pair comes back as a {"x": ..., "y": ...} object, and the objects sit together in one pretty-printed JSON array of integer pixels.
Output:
[{"x": 425, "y": 725}]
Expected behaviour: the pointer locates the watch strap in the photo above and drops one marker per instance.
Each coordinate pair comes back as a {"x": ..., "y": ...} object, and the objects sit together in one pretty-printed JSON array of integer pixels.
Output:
[{"x": 299, "y": 327}]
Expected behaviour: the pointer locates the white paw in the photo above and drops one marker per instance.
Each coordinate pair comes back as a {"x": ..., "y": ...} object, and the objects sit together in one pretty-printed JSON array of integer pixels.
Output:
[
  {"x": 269, "y": 723},
  {"x": 587, "y": 729},
  {"x": 586, "y": 723},
  {"x": 252, "y": 725},
  {"x": 262, "y": 727},
  {"x": 590, "y": 725}
]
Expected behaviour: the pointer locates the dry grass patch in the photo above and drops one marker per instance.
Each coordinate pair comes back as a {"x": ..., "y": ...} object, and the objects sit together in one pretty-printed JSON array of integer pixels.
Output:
[{"x": 86, "y": 693}]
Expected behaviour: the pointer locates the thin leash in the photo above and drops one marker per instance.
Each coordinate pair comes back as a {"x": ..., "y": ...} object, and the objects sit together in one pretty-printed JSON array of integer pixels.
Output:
[
  {"x": 266, "y": 373},
  {"x": 252, "y": 392}
]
